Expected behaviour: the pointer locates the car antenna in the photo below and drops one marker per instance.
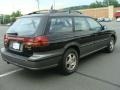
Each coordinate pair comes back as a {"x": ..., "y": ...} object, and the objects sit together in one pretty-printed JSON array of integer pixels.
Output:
[{"x": 51, "y": 7}]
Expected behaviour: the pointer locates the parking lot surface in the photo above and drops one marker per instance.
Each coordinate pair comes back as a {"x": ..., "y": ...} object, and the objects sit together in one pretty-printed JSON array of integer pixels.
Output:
[{"x": 99, "y": 71}]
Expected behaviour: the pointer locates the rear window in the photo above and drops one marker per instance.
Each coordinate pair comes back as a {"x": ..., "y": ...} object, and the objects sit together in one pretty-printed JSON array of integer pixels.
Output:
[{"x": 25, "y": 26}]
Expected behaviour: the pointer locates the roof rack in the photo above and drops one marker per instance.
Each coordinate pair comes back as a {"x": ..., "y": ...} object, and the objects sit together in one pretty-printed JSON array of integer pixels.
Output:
[
  {"x": 54, "y": 11},
  {"x": 68, "y": 11}
]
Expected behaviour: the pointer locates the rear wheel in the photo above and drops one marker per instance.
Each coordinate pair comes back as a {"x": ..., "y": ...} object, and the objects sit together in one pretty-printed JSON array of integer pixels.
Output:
[
  {"x": 69, "y": 63},
  {"x": 111, "y": 45}
]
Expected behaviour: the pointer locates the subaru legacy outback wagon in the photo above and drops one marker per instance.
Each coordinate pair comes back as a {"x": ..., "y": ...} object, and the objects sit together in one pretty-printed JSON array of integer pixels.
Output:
[{"x": 42, "y": 40}]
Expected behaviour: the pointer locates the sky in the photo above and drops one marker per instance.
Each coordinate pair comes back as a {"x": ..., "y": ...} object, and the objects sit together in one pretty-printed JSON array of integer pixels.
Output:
[{"x": 27, "y": 6}]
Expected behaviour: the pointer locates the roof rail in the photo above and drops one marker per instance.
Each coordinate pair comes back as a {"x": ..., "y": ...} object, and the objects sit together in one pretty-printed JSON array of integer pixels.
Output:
[
  {"x": 38, "y": 12},
  {"x": 68, "y": 11},
  {"x": 54, "y": 11}
]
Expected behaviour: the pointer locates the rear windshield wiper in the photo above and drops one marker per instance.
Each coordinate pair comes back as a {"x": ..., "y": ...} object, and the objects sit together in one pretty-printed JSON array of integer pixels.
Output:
[{"x": 12, "y": 34}]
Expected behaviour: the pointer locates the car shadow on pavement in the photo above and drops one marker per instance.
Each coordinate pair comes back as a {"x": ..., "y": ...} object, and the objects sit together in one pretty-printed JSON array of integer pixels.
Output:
[
  {"x": 39, "y": 74},
  {"x": 90, "y": 57}
]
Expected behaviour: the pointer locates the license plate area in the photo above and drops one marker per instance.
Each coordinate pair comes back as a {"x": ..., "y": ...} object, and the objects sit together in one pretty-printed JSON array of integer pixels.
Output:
[{"x": 15, "y": 46}]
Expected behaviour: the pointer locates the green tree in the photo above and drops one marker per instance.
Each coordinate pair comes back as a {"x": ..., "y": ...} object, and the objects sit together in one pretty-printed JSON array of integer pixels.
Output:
[
  {"x": 111, "y": 2},
  {"x": 14, "y": 15},
  {"x": 96, "y": 4},
  {"x": 4, "y": 19},
  {"x": 7, "y": 19},
  {"x": 105, "y": 3}
]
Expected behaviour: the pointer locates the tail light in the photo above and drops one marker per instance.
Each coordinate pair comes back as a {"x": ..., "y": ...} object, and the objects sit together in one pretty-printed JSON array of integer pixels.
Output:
[
  {"x": 29, "y": 42},
  {"x": 36, "y": 41},
  {"x": 5, "y": 39}
]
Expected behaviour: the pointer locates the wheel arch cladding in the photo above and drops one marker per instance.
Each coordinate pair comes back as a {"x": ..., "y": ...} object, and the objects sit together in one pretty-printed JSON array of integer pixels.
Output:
[
  {"x": 114, "y": 37},
  {"x": 74, "y": 47}
]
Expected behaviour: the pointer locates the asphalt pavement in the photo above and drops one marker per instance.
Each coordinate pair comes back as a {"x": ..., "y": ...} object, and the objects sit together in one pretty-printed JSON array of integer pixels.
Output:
[{"x": 99, "y": 71}]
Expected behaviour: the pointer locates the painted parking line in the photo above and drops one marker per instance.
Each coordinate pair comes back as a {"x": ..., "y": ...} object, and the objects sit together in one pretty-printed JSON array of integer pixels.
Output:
[{"x": 9, "y": 73}]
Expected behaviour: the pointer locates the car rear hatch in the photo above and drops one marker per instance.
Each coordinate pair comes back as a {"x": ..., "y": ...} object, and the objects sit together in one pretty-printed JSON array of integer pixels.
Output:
[{"x": 23, "y": 36}]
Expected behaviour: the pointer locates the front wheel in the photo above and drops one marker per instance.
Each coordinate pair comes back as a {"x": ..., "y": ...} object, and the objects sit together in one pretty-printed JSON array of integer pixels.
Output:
[
  {"x": 69, "y": 63},
  {"x": 111, "y": 45}
]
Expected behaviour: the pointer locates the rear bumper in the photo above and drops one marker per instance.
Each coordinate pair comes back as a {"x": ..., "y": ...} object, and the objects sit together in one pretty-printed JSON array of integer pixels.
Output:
[{"x": 36, "y": 62}]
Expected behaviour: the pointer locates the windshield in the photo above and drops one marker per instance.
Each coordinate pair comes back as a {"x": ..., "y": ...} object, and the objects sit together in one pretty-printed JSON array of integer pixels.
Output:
[{"x": 25, "y": 26}]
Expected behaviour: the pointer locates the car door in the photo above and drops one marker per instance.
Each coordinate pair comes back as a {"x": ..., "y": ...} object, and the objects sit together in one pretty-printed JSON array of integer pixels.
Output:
[
  {"x": 59, "y": 32},
  {"x": 100, "y": 35},
  {"x": 83, "y": 35}
]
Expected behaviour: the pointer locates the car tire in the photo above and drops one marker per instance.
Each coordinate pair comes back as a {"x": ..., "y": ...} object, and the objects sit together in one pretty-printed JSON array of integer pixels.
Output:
[
  {"x": 111, "y": 45},
  {"x": 69, "y": 62}
]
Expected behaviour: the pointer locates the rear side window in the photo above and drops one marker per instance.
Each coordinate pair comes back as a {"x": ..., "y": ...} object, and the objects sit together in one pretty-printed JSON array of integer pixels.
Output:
[
  {"x": 60, "y": 24},
  {"x": 81, "y": 24},
  {"x": 94, "y": 25}
]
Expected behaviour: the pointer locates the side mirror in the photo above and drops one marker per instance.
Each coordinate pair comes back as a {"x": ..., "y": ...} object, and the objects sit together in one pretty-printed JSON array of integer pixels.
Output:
[{"x": 104, "y": 27}]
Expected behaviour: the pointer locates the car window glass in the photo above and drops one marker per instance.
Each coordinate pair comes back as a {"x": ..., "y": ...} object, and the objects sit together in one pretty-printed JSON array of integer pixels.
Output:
[
  {"x": 81, "y": 24},
  {"x": 94, "y": 25},
  {"x": 25, "y": 26},
  {"x": 63, "y": 24}
]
